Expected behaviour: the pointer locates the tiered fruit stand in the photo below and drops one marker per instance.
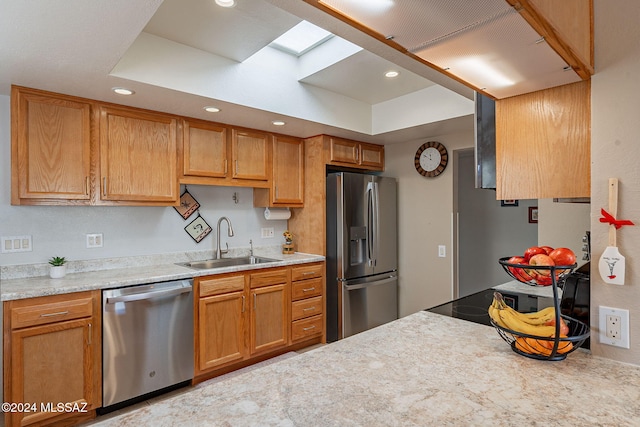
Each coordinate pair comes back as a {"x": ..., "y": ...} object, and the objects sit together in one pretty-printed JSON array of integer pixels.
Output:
[{"x": 558, "y": 345}]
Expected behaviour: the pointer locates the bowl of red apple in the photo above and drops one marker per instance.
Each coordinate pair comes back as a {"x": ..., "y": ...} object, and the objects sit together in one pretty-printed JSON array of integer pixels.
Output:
[{"x": 540, "y": 265}]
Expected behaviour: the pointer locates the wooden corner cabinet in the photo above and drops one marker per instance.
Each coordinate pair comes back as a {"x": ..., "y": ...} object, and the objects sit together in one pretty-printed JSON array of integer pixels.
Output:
[
  {"x": 287, "y": 177},
  {"x": 50, "y": 148},
  {"x": 52, "y": 348}
]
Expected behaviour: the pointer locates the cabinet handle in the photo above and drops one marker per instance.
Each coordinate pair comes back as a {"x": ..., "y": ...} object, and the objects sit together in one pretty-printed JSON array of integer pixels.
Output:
[
  {"x": 357, "y": 155},
  {"x": 58, "y": 313},
  {"x": 313, "y": 288},
  {"x": 104, "y": 186},
  {"x": 236, "y": 167},
  {"x": 90, "y": 333},
  {"x": 255, "y": 301},
  {"x": 243, "y": 299},
  {"x": 276, "y": 192},
  {"x": 309, "y": 308},
  {"x": 86, "y": 186},
  {"x": 306, "y": 273},
  {"x": 309, "y": 328},
  {"x": 225, "y": 166}
]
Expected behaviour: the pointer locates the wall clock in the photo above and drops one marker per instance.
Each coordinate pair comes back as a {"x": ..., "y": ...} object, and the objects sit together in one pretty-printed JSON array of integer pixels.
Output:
[{"x": 431, "y": 159}]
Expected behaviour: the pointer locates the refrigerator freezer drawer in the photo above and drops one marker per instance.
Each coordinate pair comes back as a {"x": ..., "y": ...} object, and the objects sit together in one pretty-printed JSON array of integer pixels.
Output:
[{"x": 367, "y": 305}]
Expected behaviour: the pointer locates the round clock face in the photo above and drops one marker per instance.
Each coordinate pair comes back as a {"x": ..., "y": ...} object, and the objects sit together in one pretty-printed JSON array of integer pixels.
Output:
[{"x": 431, "y": 159}]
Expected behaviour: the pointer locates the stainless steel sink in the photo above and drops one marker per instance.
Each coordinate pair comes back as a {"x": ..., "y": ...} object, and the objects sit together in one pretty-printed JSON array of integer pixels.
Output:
[{"x": 226, "y": 262}]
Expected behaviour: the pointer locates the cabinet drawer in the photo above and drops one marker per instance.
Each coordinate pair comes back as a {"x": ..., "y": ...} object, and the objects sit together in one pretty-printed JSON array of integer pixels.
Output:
[
  {"x": 40, "y": 314},
  {"x": 306, "y": 308},
  {"x": 306, "y": 288},
  {"x": 307, "y": 272},
  {"x": 221, "y": 285},
  {"x": 306, "y": 327},
  {"x": 274, "y": 276}
]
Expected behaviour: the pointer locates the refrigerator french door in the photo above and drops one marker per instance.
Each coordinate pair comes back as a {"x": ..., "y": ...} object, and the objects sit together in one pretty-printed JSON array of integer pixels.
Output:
[{"x": 362, "y": 257}]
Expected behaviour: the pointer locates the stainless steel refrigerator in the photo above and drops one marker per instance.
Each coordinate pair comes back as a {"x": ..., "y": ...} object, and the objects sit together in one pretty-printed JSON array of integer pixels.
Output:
[{"x": 362, "y": 254}]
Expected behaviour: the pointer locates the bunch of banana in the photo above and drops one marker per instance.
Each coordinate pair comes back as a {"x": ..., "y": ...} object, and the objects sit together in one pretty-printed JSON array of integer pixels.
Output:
[{"x": 526, "y": 323}]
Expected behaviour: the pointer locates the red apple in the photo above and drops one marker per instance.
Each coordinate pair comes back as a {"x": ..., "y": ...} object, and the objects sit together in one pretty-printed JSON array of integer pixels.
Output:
[
  {"x": 533, "y": 250},
  {"x": 542, "y": 260},
  {"x": 518, "y": 273},
  {"x": 547, "y": 249},
  {"x": 563, "y": 256}
]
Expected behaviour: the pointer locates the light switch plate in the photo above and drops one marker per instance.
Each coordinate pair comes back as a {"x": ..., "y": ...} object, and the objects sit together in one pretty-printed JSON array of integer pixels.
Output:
[{"x": 12, "y": 244}]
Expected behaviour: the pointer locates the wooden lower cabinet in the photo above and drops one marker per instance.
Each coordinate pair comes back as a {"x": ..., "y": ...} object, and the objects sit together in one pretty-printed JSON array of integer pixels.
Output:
[
  {"x": 243, "y": 318},
  {"x": 269, "y": 318},
  {"x": 240, "y": 316},
  {"x": 53, "y": 358}
]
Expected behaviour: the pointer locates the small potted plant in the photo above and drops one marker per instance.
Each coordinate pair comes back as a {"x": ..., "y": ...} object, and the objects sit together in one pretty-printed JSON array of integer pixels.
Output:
[
  {"x": 58, "y": 267},
  {"x": 287, "y": 248}
]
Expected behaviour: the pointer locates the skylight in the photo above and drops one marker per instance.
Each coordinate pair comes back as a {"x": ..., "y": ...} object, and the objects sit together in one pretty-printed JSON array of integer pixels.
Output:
[{"x": 301, "y": 39}]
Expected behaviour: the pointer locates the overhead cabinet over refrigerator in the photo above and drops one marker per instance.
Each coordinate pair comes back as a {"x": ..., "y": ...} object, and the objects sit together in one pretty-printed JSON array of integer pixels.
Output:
[{"x": 362, "y": 257}]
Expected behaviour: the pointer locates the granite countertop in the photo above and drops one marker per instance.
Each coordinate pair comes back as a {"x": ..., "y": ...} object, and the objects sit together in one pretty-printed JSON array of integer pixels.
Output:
[
  {"x": 103, "y": 275},
  {"x": 422, "y": 370}
]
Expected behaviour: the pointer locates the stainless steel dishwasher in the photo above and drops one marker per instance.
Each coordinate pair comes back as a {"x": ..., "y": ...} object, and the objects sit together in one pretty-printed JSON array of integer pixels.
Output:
[{"x": 147, "y": 341}]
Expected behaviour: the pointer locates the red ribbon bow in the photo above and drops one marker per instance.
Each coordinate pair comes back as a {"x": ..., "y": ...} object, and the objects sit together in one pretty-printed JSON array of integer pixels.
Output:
[{"x": 608, "y": 218}]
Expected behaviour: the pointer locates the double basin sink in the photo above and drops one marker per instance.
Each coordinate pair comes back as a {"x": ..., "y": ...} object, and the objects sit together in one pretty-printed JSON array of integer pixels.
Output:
[{"x": 226, "y": 262}]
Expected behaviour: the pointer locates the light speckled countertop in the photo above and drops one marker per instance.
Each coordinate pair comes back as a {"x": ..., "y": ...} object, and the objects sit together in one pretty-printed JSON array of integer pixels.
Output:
[
  {"x": 422, "y": 370},
  {"x": 132, "y": 271}
]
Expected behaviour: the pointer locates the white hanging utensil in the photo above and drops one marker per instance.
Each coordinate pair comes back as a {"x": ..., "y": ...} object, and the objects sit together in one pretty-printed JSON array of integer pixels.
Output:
[{"x": 612, "y": 263}]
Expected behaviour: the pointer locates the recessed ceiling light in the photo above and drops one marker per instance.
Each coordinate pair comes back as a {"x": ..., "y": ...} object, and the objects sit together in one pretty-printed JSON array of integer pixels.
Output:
[
  {"x": 391, "y": 74},
  {"x": 122, "y": 91},
  {"x": 211, "y": 109},
  {"x": 226, "y": 3},
  {"x": 278, "y": 123}
]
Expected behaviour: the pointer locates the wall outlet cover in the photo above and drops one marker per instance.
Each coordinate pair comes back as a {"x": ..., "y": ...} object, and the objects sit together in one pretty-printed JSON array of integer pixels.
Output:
[{"x": 614, "y": 326}]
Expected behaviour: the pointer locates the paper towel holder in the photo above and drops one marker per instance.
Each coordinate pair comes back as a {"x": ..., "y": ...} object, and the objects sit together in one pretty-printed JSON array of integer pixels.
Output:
[{"x": 277, "y": 214}]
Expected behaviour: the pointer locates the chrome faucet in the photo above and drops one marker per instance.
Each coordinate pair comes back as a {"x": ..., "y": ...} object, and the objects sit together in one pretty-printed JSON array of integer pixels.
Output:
[{"x": 219, "y": 252}]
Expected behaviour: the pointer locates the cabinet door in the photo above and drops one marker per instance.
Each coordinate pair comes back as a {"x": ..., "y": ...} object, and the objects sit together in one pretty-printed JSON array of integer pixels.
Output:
[
  {"x": 205, "y": 150},
  {"x": 51, "y": 144},
  {"x": 343, "y": 151},
  {"x": 221, "y": 330},
  {"x": 250, "y": 155},
  {"x": 288, "y": 171},
  {"x": 53, "y": 363},
  {"x": 138, "y": 156},
  {"x": 543, "y": 144},
  {"x": 269, "y": 318},
  {"x": 372, "y": 156}
]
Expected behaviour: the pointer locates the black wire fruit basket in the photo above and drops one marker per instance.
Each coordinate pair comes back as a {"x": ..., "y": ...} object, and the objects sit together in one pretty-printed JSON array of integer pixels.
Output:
[
  {"x": 537, "y": 275},
  {"x": 559, "y": 344}
]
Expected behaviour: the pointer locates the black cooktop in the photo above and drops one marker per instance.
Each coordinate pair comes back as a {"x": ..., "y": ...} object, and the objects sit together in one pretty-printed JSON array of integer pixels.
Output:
[{"x": 473, "y": 308}]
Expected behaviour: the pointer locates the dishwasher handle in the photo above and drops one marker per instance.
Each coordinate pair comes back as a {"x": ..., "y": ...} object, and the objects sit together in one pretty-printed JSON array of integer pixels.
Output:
[{"x": 149, "y": 295}]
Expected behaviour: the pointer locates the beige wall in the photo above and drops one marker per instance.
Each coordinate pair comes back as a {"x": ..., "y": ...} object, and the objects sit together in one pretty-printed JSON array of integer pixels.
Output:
[
  {"x": 424, "y": 222},
  {"x": 563, "y": 225},
  {"x": 615, "y": 152}
]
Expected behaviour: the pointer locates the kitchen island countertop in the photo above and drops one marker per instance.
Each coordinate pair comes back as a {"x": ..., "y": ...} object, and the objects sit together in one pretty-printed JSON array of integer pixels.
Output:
[{"x": 422, "y": 370}]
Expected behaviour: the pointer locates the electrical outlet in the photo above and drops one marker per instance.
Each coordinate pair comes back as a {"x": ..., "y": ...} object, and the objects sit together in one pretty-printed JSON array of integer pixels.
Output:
[
  {"x": 94, "y": 240},
  {"x": 442, "y": 251},
  {"x": 16, "y": 244},
  {"x": 267, "y": 232},
  {"x": 614, "y": 326}
]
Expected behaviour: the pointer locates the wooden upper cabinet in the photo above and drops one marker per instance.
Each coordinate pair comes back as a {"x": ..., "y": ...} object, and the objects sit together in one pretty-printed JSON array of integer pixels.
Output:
[
  {"x": 372, "y": 156},
  {"x": 344, "y": 152},
  {"x": 287, "y": 182},
  {"x": 543, "y": 142},
  {"x": 250, "y": 154},
  {"x": 138, "y": 156},
  {"x": 51, "y": 147},
  {"x": 204, "y": 149}
]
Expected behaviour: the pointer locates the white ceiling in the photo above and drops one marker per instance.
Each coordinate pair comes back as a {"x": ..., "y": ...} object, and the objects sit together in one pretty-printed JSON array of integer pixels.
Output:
[{"x": 180, "y": 55}]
